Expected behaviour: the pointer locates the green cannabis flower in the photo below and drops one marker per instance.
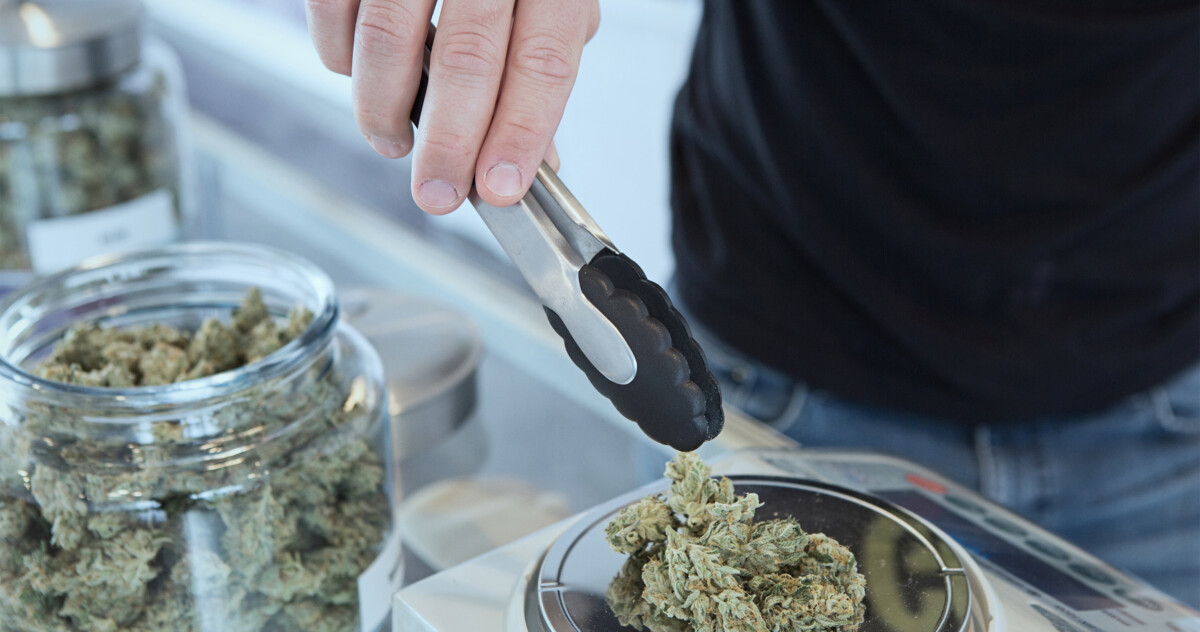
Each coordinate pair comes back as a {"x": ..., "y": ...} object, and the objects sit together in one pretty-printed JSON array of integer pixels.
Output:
[
  {"x": 150, "y": 533},
  {"x": 699, "y": 563}
]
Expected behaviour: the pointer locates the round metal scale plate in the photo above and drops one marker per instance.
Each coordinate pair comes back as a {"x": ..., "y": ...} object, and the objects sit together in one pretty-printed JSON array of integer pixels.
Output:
[{"x": 915, "y": 582}]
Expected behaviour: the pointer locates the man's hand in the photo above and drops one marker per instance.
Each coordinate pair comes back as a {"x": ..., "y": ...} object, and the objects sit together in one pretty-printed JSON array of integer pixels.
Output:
[{"x": 499, "y": 78}]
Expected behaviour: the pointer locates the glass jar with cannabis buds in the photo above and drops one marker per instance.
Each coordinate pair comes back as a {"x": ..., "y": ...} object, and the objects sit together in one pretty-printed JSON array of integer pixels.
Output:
[
  {"x": 92, "y": 124},
  {"x": 191, "y": 440}
]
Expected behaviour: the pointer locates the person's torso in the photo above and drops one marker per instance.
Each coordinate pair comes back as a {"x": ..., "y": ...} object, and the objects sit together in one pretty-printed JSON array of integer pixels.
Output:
[{"x": 980, "y": 209}]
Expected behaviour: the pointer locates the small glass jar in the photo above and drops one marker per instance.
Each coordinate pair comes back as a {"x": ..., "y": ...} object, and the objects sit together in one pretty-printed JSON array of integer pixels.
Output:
[
  {"x": 257, "y": 499},
  {"x": 92, "y": 125}
]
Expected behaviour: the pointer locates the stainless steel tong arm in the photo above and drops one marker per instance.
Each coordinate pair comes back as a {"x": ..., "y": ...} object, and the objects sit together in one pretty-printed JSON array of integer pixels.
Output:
[
  {"x": 550, "y": 264},
  {"x": 569, "y": 216}
]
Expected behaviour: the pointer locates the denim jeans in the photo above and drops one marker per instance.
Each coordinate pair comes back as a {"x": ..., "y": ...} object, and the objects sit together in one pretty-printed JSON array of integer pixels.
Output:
[{"x": 1123, "y": 483}]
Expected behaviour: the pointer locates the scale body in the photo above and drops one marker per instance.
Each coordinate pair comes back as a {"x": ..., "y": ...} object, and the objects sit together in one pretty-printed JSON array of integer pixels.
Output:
[{"x": 938, "y": 558}]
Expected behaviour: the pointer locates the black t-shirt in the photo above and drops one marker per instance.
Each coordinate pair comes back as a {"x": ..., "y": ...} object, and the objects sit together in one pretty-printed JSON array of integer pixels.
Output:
[{"x": 984, "y": 210}]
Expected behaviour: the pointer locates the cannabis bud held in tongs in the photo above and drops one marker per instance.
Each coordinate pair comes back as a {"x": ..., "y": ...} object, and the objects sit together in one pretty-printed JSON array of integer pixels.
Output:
[{"x": 618, "y": 326}]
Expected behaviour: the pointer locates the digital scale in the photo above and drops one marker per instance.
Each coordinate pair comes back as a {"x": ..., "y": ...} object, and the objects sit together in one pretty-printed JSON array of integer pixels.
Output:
[{"x": 937, "y": 558}]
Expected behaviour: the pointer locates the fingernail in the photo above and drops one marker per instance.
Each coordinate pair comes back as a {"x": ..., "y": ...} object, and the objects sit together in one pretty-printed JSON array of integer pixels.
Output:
[
  {"x": 503, "y": 179},
  {"x": 437, "y": 193},
  {"x": 385, "y": 147}
]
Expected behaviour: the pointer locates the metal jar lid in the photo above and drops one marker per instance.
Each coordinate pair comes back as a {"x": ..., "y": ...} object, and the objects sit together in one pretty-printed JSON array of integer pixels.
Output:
[{"x": 51, "y": 46}]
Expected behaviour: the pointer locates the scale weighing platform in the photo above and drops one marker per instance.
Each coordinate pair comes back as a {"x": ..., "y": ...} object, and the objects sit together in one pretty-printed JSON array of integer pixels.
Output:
[{"x": 937, "y": 558}]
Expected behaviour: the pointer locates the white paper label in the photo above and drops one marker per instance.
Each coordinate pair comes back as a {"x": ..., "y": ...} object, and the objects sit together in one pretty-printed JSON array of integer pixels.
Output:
[
  {"x": 139, "y": 223},
  {"x": 379, "y": 582}
]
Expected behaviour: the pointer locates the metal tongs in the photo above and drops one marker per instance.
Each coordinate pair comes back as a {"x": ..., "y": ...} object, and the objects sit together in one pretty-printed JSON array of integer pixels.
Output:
[{"x": 618, "y": 326}]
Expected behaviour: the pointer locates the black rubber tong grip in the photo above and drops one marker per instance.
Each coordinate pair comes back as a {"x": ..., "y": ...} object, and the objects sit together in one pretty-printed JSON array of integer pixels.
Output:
[{"x": 673, "y": 397}]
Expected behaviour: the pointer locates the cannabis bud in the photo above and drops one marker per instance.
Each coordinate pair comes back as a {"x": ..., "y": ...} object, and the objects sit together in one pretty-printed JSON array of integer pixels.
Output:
[{"x": 699, "y": 563}]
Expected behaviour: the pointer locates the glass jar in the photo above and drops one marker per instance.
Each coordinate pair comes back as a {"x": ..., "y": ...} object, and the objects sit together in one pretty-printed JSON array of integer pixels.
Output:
[
  {"x": 91, "y": 134},
  {"x": 257, "y": 499}
]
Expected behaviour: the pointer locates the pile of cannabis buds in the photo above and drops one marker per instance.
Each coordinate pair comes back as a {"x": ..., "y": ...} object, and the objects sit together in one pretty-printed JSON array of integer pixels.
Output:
[
  {"x": 699, "y": 563},
  {"x": 271, "y": 540}
]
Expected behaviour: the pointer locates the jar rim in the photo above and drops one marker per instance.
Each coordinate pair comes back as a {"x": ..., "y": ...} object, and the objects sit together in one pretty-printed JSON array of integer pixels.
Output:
[{"x": 281, "y": 362}]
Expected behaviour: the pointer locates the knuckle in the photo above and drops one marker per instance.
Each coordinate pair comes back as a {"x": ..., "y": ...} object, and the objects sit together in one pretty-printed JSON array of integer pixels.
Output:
[
  {"x": 384, "y": 29},
  {"x": 523, "y": 135},
  {"x": 545, "y": 58},
  {"x": 446, "y": 144},
  {"x": 469, "y": 53}
]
